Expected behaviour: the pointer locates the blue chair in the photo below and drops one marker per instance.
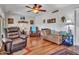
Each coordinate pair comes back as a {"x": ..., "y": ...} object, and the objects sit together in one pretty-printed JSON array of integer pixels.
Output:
[
  {"x": 34, "y": 31},
  {"x": 68, "y": 41}
]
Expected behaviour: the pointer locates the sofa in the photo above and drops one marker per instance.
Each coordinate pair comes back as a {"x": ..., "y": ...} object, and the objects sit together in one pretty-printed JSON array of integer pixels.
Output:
[{"x": 52, "y": 36}]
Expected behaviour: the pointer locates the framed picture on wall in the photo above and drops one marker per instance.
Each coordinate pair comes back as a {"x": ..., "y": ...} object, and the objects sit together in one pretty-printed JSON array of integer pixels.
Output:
[
  {"x": 10, "y": 20},
  {"x": 31, "y": 21},
  {"x": 23, "y": 22},
  {"x": 53, "y": 20}
]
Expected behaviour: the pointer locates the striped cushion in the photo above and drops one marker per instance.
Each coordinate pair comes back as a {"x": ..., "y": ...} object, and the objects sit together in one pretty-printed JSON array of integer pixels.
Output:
[
  {"x": 13, "y": 37},
  {"x": 12, "y": 33},
  {"x": 12, "y": 30}
]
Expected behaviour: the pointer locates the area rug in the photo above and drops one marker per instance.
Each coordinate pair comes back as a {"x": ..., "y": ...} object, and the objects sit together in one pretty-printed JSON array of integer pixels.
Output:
[{"x": 64, "y": 52}]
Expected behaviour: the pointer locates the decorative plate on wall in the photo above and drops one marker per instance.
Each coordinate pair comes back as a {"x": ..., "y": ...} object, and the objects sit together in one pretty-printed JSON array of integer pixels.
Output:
[{"x": 63, "y": 19}]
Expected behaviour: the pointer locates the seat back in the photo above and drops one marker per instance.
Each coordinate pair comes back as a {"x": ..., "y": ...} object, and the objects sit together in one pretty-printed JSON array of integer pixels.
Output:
[
  {"x": 12, "y": 32},
  {"x": 34, "y": 29}
]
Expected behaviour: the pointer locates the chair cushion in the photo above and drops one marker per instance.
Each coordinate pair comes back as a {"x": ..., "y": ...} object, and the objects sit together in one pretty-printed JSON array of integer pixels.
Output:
[
  {"x": 12, "y": 33},
  {"x": 13, "y": 37},
  {"x": 18, "y": 41},
  {"x": 46, "y": 31},
  {"x": 12, "y": 29}
]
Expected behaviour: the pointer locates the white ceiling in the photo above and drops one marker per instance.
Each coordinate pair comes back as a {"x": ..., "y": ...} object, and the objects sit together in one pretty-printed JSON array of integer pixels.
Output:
[{"x": 20, "y": 9}]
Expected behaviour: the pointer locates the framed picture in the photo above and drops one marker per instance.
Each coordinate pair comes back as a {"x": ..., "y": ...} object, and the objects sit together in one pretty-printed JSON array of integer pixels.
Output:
[
  {"x": 23, "y": 22},
  {"x": 31, "y": 21},
  {"x": 53, "y": 20},
  {"x": 10, "y": 20}
]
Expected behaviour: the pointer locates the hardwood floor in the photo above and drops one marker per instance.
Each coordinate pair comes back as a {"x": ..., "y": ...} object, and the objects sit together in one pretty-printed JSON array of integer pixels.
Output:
[
  {"x": 39, "y": 46},
  {"x": 43, "y": 47}
]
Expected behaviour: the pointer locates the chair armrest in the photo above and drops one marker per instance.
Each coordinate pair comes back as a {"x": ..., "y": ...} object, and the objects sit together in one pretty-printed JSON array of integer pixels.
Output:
[
  {"x": 7, "y": 45},
  {"x": 23, "y": 36},
  {"x": 5, "y": 40}
]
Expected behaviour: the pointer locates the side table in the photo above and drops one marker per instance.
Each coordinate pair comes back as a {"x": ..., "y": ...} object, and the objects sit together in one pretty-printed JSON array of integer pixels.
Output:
[
  {"x": 23, "y": 36},
  {"x": 2, "y": 51}
]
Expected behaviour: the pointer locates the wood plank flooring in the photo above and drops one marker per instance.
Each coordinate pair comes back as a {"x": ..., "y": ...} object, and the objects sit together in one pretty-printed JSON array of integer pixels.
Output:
[{"x": 39, "y": 46}]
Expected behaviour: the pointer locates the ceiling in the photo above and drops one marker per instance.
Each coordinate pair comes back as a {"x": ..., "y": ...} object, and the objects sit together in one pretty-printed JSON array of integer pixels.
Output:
[{"x": 20, "y": 9}]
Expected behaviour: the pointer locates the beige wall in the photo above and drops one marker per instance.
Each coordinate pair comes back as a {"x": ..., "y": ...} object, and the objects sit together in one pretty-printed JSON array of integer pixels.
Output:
[
  {"x": 21, "y": 25},
  {"x": 1, "y": 22},
  {"x": 38, "y": 21}
]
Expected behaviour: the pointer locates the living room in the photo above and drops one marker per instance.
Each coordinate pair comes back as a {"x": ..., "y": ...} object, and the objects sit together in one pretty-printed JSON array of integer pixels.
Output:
[{"x": 42, "y": 25}]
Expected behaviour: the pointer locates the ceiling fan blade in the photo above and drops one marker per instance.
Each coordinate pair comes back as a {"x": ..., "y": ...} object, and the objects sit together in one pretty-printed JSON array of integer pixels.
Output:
[
  {"x": 39, "y": 6},
  {"x": 35, "y": 5},
  {"x": 55, "y": 11},
  {"x": 29, "y": 11},
  {"x": 28, "y": 7},
  {"x": 43, "y": 10}
]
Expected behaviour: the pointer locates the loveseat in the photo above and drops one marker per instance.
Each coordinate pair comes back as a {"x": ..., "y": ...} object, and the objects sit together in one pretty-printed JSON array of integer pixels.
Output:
[{"x": 52, "y": 36}]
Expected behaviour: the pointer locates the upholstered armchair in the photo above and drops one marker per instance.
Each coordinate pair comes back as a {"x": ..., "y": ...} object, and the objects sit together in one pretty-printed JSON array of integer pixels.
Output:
[
  {"x": 52, "y": 35},
  {"x": 13, "y": 40},
  {"x": 34, "y": 31}
]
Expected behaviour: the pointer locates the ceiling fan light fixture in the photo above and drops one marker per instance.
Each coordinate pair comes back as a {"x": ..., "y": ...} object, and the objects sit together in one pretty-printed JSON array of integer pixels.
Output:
[{"x": 35, "y": 10}]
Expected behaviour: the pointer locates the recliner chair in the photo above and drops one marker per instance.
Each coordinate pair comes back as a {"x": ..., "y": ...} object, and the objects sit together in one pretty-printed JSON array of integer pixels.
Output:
[{"x": 14, "y": 40}]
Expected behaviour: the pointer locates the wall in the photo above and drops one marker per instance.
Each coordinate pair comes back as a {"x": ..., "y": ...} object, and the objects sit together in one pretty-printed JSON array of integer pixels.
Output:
[
  {"x": 77, "y": 26},
  {"x": 2, "y": 16},
  {"x": 21, "y": 25},
  {"x": 40, "y": 24},
  {"x": 58, "y": 26},
  {"x": 38, "y": 21}
]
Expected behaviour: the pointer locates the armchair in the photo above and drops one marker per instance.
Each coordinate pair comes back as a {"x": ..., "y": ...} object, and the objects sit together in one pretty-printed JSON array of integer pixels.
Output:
[
  {"x": 34, "y": 31},
  {"x": 13, "y": 40}
]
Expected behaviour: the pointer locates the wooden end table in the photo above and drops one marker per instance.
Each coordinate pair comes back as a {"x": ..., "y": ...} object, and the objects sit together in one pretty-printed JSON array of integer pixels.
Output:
[{"x": 2, "y": 51}]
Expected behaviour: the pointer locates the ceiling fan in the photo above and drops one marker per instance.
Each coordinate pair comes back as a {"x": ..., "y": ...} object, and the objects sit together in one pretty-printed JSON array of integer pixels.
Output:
[{"x": 36, "y": 8}]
